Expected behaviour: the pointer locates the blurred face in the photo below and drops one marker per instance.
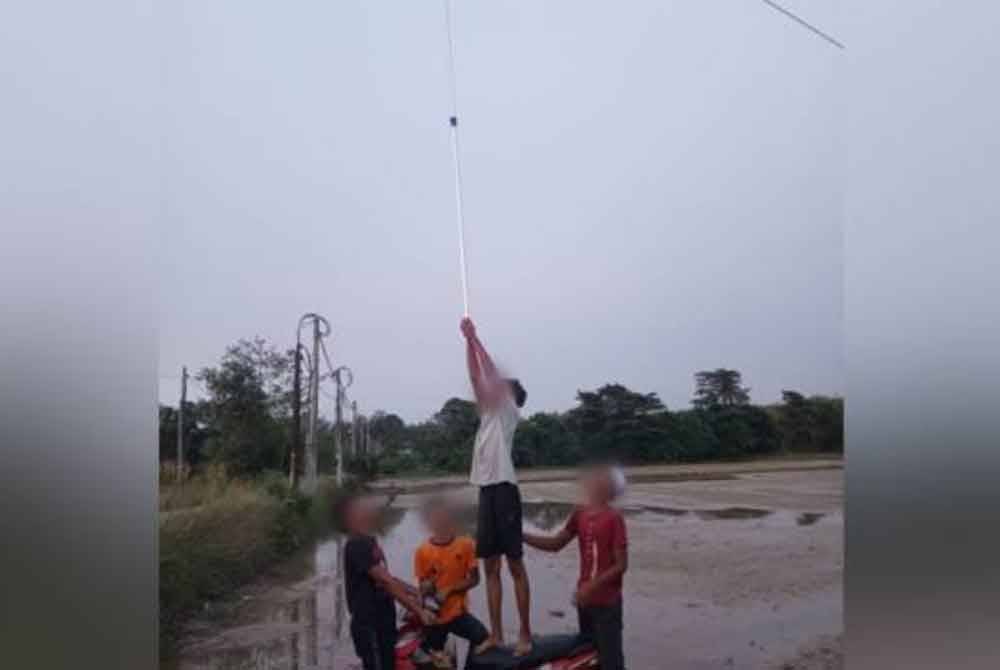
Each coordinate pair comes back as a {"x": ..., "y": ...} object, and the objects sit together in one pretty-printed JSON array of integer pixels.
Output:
[
  {"x": 440, "y": 520},
  {"x": 597, "y": 486},
  {"x": 363, "y": 515}
]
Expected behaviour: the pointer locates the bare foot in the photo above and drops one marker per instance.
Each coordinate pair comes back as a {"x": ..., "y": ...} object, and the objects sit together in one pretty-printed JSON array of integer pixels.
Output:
[
  {"x": 523, "y": 647},
  {"x": 441, "y": 660},
  {"x": 486, "y": 645}
]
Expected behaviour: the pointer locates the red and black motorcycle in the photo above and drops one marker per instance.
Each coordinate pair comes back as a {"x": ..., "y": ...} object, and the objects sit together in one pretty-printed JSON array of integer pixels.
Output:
[{"x": 551, "y": 652}]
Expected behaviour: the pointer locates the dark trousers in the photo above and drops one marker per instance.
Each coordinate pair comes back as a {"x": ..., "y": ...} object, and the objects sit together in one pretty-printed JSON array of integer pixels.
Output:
[
  {"x": 465, "y": 626},
  {"x": 375, "y": 646},
  {"x": 602, "y": 627},
  {"x": 498, "y": 522}
]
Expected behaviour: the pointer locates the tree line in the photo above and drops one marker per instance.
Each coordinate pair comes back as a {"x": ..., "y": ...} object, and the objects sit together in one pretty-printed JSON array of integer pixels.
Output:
[{"x": 244, "y": 422}]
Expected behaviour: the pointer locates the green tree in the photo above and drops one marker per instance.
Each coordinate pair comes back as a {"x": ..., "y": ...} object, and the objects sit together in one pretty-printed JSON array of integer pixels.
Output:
[
  {"x": 690, "y": 437},
  {"x": 741, "y": 430},
  {"x": 719, "y": 387},
  {"x": 796, "y": 422},
  {"x": 810, "y": 424},
  {"x": 388, "y": 430},
  {"x": 828, "y": 422},
  {"x": 545, "y": 440},
  {"x": 615, "y": 422},
  {"x": 457, "y": 423},
  {"x": 248, "y": 401},
  {"x": 195, "y": 432}
]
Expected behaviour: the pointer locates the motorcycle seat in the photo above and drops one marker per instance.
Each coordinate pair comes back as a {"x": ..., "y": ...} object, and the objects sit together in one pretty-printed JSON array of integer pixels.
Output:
[{"x": 546, "y": 648}]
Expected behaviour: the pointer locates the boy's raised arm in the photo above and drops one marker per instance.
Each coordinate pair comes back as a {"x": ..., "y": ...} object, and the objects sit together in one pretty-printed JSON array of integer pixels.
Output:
[{"x": 472, "y": 357}]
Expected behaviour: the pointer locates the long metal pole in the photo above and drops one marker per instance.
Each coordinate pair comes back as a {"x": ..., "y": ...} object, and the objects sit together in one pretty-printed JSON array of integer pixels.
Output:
[
  {"x": 456, "y": 154},
  {"x": 180, "y": 425}
]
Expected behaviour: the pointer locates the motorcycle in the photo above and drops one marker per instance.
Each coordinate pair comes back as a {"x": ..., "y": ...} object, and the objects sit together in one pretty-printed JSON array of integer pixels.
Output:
[{"x": 551, "y": 652}]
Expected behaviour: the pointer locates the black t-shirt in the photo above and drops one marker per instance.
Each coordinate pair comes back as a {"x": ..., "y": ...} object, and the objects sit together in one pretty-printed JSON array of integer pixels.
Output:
[{"x": 368, "y": 603}]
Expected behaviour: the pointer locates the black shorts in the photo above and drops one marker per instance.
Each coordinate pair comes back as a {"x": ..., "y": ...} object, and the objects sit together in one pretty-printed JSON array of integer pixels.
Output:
[
  {"x": 465, "y": 626},
  {"x": 498, "y": 528},
  {"x": 375, "y": 646},
  {"x": 602, "y": 626}
]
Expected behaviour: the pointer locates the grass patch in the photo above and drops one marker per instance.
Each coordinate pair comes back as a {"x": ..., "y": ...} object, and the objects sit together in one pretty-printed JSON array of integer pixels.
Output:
[{"x": 216, "y": 534}]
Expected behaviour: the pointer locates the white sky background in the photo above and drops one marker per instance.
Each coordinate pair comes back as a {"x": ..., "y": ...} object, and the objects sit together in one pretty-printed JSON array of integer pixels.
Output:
[{"x": 652, "y": 188}]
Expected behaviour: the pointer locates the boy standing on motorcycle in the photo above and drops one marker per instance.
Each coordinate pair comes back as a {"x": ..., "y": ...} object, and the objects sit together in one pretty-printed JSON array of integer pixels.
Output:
[
  {"x": 445, "y": 567},
  {"x": 371, "y": 590},
  {"x": 603, "y": 543},
  {"x": 498, "y": 529}
]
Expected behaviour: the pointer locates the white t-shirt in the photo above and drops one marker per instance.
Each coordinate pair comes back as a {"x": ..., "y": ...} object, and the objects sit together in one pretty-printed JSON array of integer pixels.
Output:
[{"x": 492, "y": 462}]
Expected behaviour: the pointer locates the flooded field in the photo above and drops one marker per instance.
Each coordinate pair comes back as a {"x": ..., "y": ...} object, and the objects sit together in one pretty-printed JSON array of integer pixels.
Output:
[{"x": 743, "y": 570}]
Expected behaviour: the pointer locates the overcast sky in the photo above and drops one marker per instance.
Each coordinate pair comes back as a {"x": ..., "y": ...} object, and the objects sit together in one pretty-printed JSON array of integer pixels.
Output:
[{"x": 652, "y": 188}]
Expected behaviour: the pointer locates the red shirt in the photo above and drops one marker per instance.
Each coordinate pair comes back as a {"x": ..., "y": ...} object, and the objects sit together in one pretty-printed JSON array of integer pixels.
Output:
[{"x": 599, "y": 532}]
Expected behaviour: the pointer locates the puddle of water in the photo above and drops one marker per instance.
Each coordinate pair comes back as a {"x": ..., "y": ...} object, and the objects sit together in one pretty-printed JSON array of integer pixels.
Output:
[
  {"x": 808, "y": 518},
  {"x": 733, "y": 513},
  {"x": 664, "y": 511}
]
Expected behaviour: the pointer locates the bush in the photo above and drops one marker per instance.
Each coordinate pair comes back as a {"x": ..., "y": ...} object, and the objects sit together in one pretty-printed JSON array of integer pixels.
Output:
[
  {"x": 217, "y": 534},
  {"x": 274, "y": 482},
  {"x": 209, "y": 550}
]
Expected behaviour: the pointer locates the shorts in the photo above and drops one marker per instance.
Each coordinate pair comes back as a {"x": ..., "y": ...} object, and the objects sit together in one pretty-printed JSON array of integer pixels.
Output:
[
  {"x": 498, "y": 528},
  {"x": 376, "y": 647},
  {"x": 465, "y": 626},
  {"x": 602, "y": 627}
]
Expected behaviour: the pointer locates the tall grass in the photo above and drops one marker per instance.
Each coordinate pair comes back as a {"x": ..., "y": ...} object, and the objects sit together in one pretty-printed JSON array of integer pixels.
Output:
[{"x": 217, "y": 533}]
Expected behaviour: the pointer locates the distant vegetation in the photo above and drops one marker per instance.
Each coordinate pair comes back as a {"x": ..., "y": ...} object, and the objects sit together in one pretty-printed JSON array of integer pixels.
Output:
[{"x": 244, "y": 423}]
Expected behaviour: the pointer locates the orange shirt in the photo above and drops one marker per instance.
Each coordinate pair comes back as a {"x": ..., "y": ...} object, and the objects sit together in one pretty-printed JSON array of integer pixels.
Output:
[{"x": 447, "y": 565}]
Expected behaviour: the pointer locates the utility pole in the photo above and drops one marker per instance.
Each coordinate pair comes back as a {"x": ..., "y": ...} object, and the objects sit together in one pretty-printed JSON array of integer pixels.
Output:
[
  {"x": 303, "y": 470},
  {"x": 311, "y": 446},
  {"x": 180, "y": 425},
  {"x": 295, "y": 450},
  {"x": 338, "y": 376},
  {"x": 336, "y": 431},
  {"x": 368, "y": 435},
  {"x": 355, "y": 430}
]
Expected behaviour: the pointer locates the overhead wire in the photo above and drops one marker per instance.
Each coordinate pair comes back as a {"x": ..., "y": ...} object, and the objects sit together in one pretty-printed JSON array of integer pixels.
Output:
[{"x": 808, "y": 26}]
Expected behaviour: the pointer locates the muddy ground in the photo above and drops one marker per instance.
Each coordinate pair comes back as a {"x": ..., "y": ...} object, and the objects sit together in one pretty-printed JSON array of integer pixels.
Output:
[{"x": 731, "y": 567}]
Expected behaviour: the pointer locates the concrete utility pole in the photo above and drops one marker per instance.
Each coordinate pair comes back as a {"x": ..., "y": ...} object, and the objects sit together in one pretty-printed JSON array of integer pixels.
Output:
[
  {"x": 295, "y": 449},
  {"x": 312, "y": 451},
  {"x": 355, "y": 430},
  {"x": 368, "y": 436},
  {"x": 336, "y": 431},
  {"x": 338, "y": 376},
  {"x": 180, "y": 425}
]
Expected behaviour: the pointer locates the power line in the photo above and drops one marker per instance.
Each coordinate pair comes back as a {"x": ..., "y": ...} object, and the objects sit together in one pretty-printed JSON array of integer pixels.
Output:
[{"x": 808, "y": 26}]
